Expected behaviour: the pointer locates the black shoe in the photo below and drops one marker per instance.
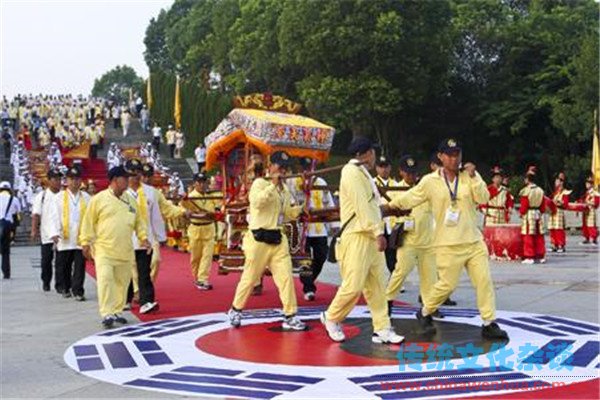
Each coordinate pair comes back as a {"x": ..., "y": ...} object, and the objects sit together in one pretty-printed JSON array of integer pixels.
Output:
[
  {"x": 554, "y": 249},
  {"x": 420, "y": 300},
  {"x": 449, "y": 302},
  {"x": 66, "y": 294},
  {"x": 46, "y": 287},
  {"x": 425, "y": 323},
  {"x": 108, "y": 321},
  {"x": 118, "y": 318},
  {"x": 79, "y": 297},
  {"x": 257, "y": 290},
  {"x": 390, "y": 305},
  {"x": 493, "y": 331},
  {"x": 6, "y": 277},
  {"x": 437, "y": 314}
]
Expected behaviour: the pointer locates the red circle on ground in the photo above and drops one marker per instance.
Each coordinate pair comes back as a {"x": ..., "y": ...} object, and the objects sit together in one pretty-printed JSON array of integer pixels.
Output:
[{"x": 262, "y": 343}]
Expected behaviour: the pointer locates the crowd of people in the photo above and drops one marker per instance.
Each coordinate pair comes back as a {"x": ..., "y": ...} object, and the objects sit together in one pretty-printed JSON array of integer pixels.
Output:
[{"x": 430, "y": 222}]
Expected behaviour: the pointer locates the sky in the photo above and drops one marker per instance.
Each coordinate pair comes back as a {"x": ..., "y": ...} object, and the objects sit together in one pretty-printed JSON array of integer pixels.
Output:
[{"x": 60, "y": 47}]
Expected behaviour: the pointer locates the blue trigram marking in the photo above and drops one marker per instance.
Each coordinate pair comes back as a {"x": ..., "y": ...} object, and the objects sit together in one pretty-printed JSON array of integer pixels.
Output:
[
  {"x": 430, "y": 374},
  {"x": 118, "y": 355},
  {"x": 584, "y": 355},
  {"x": 377, "y": 387},
  {"x": 209, "y": 371},
  {"x": 88, "y": 358},
  {"x": 548, "y": 352},
  {"x": 85, "y": 350},
  {"x": 589, "y": 327},
  {"x": 450, "y": 312},
  {"x": 184, "y": 329},
  {"x": 462, "y": 390},
  {"x": 224, "y": 382},
  {"x": 530, "y": 328},
  {"x": 203, "y": 389},
  {"x": 152, "y": 352}
]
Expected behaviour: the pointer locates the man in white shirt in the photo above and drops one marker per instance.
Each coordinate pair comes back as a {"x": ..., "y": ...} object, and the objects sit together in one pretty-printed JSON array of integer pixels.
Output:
[
  {"x": 384, "y": 180},
  {"x": 156, "y": 136},
  {"x": 316, "y": 236},
  {"x": 43, "y": 215},
  {"x": 147, "y": 204},
  {"x": 71, "y": 204},
  {"x": 9, "y": 206},
  {"x": 200, "y": 155}
]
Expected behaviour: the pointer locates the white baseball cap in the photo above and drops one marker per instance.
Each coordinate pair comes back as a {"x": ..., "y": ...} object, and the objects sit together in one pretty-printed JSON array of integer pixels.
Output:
[{"x": 5, "y": 185}]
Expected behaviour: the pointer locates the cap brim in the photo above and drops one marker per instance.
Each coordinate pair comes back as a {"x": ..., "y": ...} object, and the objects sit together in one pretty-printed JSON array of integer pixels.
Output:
[{"x": 451, "y": 150}]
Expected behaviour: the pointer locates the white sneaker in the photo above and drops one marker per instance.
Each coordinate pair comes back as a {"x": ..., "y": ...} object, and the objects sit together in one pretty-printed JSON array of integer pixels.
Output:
[
  {"x": 148, "y": 307},
  {"x": 387, "y": 336},
  {"x": 293, "y": 324},
  {"x": 309, "y": 296},
  {"x": 542, "y": 261},
  {"x": 235, "y": 318},
  {"x": 334, "y": 330},
  {"x": 527, "y": 261}
]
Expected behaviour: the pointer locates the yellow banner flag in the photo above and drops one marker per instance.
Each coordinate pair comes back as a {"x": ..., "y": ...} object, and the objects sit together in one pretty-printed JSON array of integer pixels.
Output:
[
  {"x": 177, "y": 111},
  {"x": 149, "y": 92},
  {"x": 596, "y": 152}
]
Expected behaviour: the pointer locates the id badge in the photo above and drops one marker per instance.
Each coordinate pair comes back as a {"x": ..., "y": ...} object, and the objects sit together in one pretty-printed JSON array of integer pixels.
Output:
[
  {"x": 409, "y": 224},
  {"x": 452, "y": 217}
]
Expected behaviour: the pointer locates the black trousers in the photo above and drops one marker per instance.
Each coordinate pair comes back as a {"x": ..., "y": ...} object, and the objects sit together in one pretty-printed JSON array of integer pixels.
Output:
[
  {"x": 94, "y": 151},
  {"x": 116, "y": 123},
  {"x": 146, "y": 287},
  {"x": 319, "y": 248},
  {"x": 47, "y": 257},
  {"x": 70, "y": 271},
  {"x": 172, "y": 150},
  {"x": 390, "y": 256},
  {"x": 200, "y": 166},
  {"x": 5, "y": 249}
]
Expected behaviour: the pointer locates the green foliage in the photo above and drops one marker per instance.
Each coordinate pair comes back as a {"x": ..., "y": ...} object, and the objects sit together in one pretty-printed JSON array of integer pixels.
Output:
[
  {"x": 516, "y": 80},
  {"x": 201, "y": 110},
  {"x": 116, "y": 84}
]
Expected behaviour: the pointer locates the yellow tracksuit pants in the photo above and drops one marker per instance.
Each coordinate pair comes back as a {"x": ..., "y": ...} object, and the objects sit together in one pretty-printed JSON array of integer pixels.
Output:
[
  {"x": 202, "y": 247},
  {"x": 112, "y": 278},
  {"x": 407, "y": 257},
  {"x": 257, "y": 257},
  {"x": 362, "y": 270},
  {"x": 450, "y": 261},
  {"x": 155, "y": 262}
]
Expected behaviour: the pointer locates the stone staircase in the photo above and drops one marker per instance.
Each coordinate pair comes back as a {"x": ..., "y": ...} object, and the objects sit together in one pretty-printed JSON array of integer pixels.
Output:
[{"x": 136, "y": 136}]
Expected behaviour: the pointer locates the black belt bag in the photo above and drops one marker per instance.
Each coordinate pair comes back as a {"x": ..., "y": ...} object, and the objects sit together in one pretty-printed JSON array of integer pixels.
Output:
[{"x": 269, "y": 236}]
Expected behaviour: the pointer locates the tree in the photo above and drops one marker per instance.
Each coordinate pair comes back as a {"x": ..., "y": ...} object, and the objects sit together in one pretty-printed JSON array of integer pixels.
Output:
[{"x": 116, "y": 83}]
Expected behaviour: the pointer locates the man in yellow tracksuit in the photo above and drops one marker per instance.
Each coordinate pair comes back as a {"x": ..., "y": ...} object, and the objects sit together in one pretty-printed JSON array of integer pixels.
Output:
[
  {"x": 360, "y": 248},
  {"x": 110, "y": 220},
  {"x": 201, "y": 231},
  {"x": 454, "y": 196},
  {"x": 265, "y": 243},
  {"x": 417, "y": 239}
]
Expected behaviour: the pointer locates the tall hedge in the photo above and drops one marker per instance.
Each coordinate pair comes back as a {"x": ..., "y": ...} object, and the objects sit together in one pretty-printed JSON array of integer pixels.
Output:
[{"x": 201, "y": 109}]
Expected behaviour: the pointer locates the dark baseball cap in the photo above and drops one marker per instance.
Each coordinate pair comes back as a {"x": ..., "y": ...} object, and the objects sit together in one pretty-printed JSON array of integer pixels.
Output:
[
  {"x": 74, "y": 172},
  {"x": 383, "y": 162},
  {"x": 133, "y": 166},
  {"x": 408, "y": 164},
  {"x": 54, "y": 173},
  {"x": 147, "y": 170},
  {"x": 117, "y": 172},
  {"x": 200, "y": 177},
  {"x": 361, "y": 144},
  {"x": 449, "y": 145},
  {"x": 281, "y": 158}
]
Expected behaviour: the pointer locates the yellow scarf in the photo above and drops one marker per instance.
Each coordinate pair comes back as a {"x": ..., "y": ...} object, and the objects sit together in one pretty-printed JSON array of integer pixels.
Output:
[
  {"x": 141, "y": 202},
  {"x": 66, "y": 213}
]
